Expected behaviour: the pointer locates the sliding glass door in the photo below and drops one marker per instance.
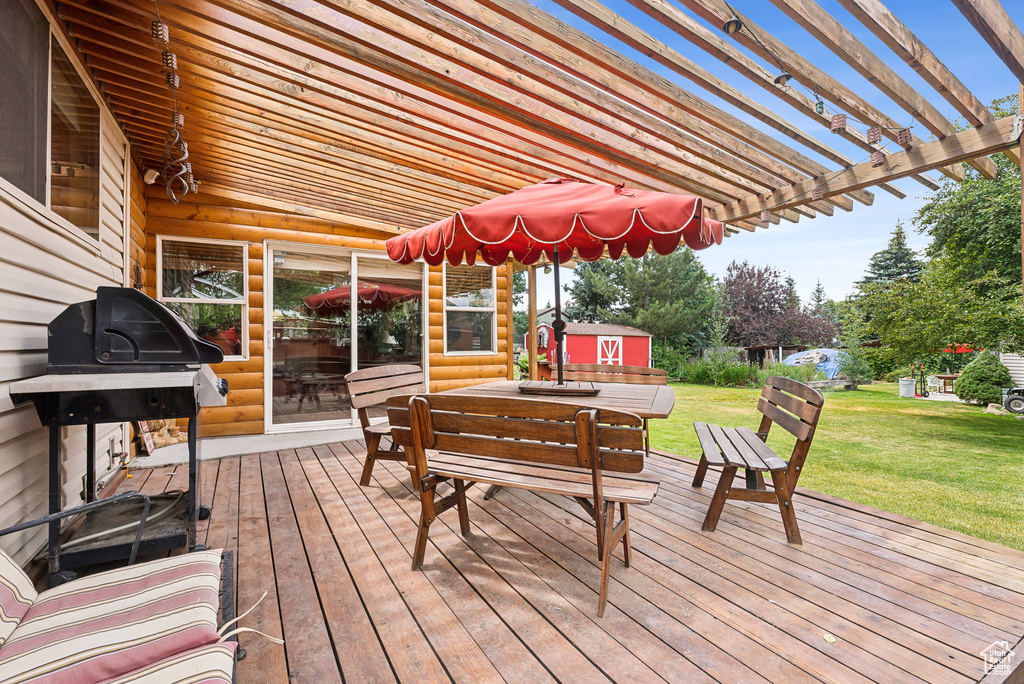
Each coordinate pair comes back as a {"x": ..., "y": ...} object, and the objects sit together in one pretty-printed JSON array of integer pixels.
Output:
[{"x": 332, "y": 312}]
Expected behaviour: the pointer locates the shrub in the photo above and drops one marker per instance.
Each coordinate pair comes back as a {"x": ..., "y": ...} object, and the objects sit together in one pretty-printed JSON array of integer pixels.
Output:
[{"x": 982, "y": 380}]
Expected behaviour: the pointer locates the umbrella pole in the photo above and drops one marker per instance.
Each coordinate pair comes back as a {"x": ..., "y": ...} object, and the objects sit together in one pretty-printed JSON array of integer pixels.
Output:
[{"x": 559, "y": 324}]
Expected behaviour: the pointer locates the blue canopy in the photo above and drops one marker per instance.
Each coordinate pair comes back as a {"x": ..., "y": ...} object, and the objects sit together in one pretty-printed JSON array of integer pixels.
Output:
[{"x": 825, "y": 360}]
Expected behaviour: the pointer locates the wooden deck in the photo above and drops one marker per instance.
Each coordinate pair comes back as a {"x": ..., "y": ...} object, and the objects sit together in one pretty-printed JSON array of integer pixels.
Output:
[{"x": 869, "y": 597}]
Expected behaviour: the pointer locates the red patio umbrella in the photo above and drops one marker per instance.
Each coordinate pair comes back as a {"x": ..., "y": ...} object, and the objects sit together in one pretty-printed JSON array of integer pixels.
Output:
[
  {"x": 561, "y": 217},
  {"x": 370, "y": 296}
]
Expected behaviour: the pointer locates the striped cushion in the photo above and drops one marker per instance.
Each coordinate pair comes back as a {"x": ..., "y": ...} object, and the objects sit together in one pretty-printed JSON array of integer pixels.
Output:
[
  {"x": 105, "y": 625},
  {"x": 207, "y": 665},
  {"x": 16, "y": 595}
]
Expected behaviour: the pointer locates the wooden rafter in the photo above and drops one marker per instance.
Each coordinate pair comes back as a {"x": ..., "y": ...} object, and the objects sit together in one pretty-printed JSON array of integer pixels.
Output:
[
  {"x": 820, "y": 24},
  {"x": 991, "y": 20},
  {"x": 806, "y": 72},
  {"x": 397, "y": 112},
  {"x": 990, "y": 138}
]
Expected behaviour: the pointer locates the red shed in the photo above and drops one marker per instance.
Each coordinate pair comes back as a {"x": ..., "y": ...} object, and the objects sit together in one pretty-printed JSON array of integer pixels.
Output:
[{"x": 594, "y": 343}]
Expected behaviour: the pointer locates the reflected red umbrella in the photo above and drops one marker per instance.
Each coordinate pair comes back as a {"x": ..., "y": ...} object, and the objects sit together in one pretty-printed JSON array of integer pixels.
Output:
[
  {"x": 370, "y": 297},
  {"x": 562, "y": 217}
]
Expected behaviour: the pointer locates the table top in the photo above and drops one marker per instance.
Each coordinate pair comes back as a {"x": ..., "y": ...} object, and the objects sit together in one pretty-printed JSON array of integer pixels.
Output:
[
  {"x": 948, "y": 376},
  {"x": 646, "y": 401}
]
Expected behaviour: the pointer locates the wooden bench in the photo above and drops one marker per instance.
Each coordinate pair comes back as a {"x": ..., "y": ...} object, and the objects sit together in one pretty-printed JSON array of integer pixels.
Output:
[
  {"x": 602, "y": 372},
  {"x": 595, "y": 456},
  {"x": 631, "y": 375},
  {"x": 793, "y": 406},
  {"x": 373, "y": 386}
]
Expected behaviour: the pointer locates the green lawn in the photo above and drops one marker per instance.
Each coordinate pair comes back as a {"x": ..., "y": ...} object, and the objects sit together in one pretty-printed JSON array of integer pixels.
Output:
[{"x": 944, "y": 463}]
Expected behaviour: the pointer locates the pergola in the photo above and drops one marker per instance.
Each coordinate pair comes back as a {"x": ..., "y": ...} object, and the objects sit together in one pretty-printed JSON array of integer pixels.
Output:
[{"x": 391, "y": 114}]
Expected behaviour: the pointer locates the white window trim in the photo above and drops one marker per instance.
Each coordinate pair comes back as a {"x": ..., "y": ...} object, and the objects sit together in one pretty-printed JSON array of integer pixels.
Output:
[
  {"x": 269, "y": 246},
  {"x": 493, "y": 309},
  {"x": 243, "y": 246}
]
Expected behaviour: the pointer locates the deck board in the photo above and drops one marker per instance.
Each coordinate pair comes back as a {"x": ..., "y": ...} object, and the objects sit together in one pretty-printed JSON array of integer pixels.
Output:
[{"x": 516, "y": 600}]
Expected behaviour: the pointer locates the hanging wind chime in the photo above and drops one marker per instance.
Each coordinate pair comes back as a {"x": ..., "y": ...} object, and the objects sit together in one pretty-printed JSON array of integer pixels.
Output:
[{"x": 177, "y": 170}]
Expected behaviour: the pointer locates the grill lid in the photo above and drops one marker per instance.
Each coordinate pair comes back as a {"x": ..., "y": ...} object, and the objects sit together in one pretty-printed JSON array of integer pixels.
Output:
[{"x": 124, "y": 330}]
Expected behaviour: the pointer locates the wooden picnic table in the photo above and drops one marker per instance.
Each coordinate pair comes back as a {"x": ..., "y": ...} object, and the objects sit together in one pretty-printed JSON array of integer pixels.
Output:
[
  {"x": 646, "y": 401},
  {"x": 948, "y": 382}
]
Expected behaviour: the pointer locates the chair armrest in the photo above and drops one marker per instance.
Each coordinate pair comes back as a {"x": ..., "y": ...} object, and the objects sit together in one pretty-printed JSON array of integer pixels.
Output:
[{"x": 86, "y": 508}]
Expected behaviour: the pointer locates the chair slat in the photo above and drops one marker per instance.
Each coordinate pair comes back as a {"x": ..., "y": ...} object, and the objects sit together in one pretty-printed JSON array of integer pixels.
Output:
[
  {"x": 770, "y": 459},
  {"x": 795, "y": 405},
  {"x": 787, "y": 421},
  {"x": 808, "y": 394},
  {"x": 748, "y": 458},
  {"x": 708, "y": 445}
]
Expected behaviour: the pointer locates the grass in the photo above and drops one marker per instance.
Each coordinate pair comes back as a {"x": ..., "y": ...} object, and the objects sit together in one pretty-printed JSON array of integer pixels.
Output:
[{"x": 940, "y": 462}]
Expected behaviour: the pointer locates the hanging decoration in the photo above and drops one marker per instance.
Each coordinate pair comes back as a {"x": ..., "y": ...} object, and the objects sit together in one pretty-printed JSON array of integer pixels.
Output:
[
  {"x": 874, "y": 135},
  {"x": 766, "y": 217},
  {"x": 878, "y": 158},
  {"x": 177, "y": 170},
  {"x": 904, "y": 137},
  {"x": 839, "y": 123},
  {"x": 818, "y": 194}
]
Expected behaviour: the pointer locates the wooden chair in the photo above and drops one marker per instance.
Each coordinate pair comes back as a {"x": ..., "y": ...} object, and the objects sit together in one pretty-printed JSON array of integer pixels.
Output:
[
  {"x": 372, "y": 386},
  {"x": 593, "y": 455},
  {"x": 604, "y": 372},
  {"x": 791, "y": 405}
]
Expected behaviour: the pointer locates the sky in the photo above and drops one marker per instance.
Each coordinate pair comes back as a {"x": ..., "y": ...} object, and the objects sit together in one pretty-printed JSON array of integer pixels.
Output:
[{"x": 835, "y": 250}]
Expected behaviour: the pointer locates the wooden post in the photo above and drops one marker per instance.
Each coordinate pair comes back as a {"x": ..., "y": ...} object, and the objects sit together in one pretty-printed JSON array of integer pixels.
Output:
[
  {"x": 1020, "y": 110},
  {"x": 531, "y": 325},
  {"x": 510, "y": 319}
]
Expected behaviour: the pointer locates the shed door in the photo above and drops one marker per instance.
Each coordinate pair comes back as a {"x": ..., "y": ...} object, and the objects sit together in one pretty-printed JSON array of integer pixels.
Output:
[{"x": 609, "y": 350}]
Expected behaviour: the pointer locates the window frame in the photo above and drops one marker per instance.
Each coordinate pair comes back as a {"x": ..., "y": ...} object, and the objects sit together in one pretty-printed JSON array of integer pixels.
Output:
[
  {"x": 244, "y": 302},
  {"x": 107, "y": 131},
  {"x": 492, "y": 309}
]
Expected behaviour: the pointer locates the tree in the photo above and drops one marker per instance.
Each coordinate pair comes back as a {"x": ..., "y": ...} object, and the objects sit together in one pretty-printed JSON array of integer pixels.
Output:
[
  {"x": 792, "y": 298},
  {"x": 895, "y": 262},
  {"x": 977, "y": 221},
  {"x": 970, "y": 291},
  {"x": 672, "y": 297},
  {"x": 759, "y": 310},
  {"x": 983, "y": 380},
  {"x": 818, "y": 299}
]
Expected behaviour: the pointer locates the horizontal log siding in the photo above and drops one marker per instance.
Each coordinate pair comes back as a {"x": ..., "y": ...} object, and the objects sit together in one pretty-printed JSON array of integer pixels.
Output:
[
  {"x": 211, "y": 217},
  {"x": 450, "y": 372}
]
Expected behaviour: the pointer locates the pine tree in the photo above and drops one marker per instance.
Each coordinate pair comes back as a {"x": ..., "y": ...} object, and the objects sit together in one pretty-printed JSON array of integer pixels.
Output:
[
  {"x": 818, "y": 299},
  {"x": 895, "y": 262},
  {"x": 792, "y": 298}
]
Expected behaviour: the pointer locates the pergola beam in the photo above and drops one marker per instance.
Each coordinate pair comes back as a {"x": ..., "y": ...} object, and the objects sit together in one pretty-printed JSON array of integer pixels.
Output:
[
  {"x": 830, "y": 33},
  {"x": 991, "y": 20},
  {"x": 990, "y": 138},
  {"x": 802, "y": 69},
  {"x": 880, "y": 20}
]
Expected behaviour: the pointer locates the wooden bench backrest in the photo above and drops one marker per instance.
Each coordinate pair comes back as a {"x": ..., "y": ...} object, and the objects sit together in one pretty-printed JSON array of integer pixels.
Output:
[
  {"x": 371, "y": 386},
  {"x": 601, "y": 372},
  {"x": 521, "y": 430},
  {"x": 794, "y": 407}
]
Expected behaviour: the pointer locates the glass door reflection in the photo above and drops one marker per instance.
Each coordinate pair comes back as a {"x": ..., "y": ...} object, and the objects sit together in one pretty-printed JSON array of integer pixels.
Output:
[
  {"x": 332, "y": 314},
  {"x": 312, "y": 346}
]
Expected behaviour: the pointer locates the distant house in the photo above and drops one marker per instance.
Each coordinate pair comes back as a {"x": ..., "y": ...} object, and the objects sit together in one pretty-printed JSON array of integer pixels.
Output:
[
  {"x": 594, "y": 343},
  {"x": 1015, "y": 364},
  {"x": 763, "y": 354}
]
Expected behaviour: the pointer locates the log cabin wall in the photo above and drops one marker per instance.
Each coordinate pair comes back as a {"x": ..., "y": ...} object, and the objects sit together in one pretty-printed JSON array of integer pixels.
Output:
[
  {"x": 449, "y": 372},
  {"x": 206, "y": 216},
  {"x": 136, "y": 247}
]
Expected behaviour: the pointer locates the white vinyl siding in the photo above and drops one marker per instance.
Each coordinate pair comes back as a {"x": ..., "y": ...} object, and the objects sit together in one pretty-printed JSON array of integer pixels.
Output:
[
  {"x": 45, "y": 265},
  {"x": 1015, "y": 364}
]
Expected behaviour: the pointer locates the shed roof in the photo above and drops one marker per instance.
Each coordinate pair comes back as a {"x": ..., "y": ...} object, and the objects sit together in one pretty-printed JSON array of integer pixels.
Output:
[{"x": 602, "y": 329}]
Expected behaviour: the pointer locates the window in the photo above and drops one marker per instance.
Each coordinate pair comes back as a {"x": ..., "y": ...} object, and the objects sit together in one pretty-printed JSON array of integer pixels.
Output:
[
  {"x": 74, "y": 146},
  {"x": 470, "y": 310},
  {"x": 205, "y": 283},
  {"x": 24, "y": 35},
  {"x": 60, "y": 166}
]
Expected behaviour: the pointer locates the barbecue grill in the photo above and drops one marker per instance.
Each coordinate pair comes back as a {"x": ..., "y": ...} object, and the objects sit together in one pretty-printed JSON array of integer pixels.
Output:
[{"x": 122, "y": 357}]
